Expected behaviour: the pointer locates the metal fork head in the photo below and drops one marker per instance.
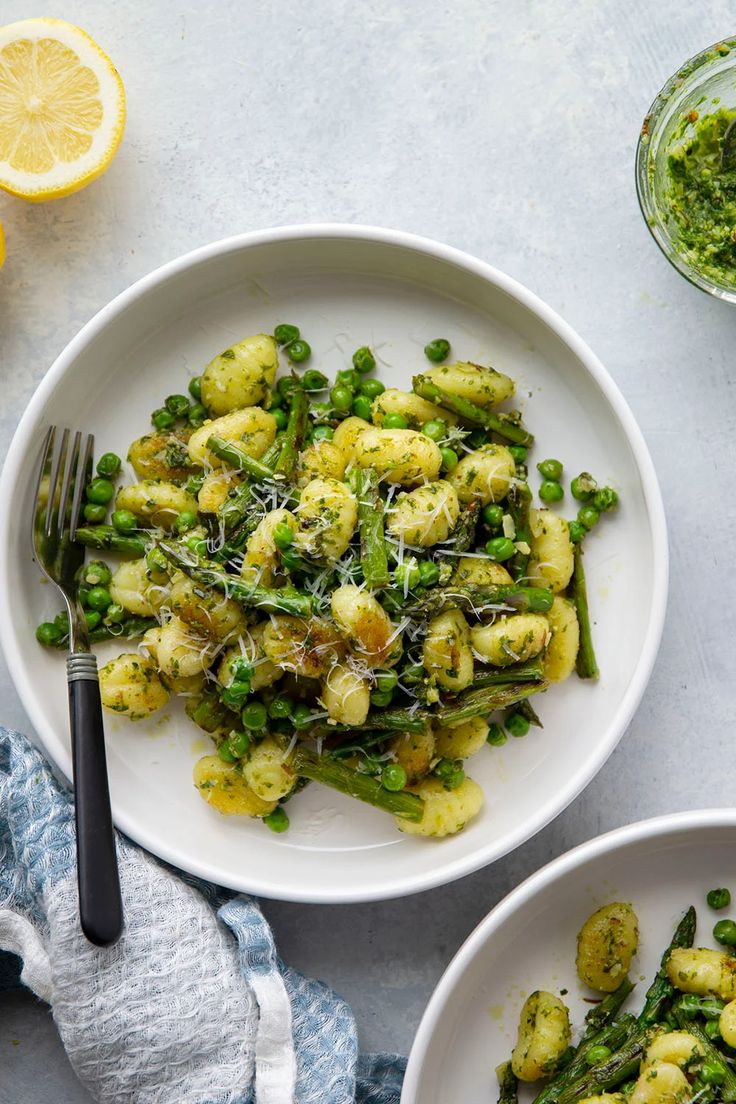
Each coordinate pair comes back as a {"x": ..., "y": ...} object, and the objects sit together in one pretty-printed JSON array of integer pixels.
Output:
[{"x": 65, "y": 468}]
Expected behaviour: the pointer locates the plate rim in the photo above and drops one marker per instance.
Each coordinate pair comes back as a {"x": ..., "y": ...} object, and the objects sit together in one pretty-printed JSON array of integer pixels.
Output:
[
  {"x": 440, "y": 874},
  {"x": 608, "y": 843}
]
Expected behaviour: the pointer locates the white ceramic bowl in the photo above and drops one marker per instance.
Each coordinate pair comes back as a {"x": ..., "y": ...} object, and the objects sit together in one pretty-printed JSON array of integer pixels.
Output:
[
  {"x": 345, "y": 286},
  {"x": 528, "y": 942}
]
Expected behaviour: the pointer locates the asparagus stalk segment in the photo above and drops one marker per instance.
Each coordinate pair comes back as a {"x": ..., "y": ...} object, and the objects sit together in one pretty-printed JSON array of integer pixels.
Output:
[
  {"x": 105, "y": 536},
  {"x": 475, "y": 599},
  {"x": 294, "y": 434},
  {"x": 621, "y": 1065},
  {"x": 477, "y": 703},
  {"x": 586, "y": 664},
  {"x": 235, "y": 509},
  {"x": 385, "y": 720},
  {"x": 602, "y": 1014},
  {"x": 374, "y": 558},
  {"x": 332, "y": 773},
  {"x": 711, "y": 1053},
  {"x": 270, "y": 599},
  {"x": 129, "y": 629},
  {"x": 531, "y": 671},
  {"x": 463, "y": 535},
  {"x": 508, "y": 1084},
  {"x": 238, "y": 458},
  {"x": 661, "y": 990},
  {"x": 505, "y": 425},
  {"x": 611, "y": 1035},
  {"x": 519, "y": 500}
]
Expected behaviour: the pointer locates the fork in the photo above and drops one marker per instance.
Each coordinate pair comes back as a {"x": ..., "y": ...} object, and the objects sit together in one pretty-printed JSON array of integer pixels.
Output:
[{"x": 64, "y": 472}]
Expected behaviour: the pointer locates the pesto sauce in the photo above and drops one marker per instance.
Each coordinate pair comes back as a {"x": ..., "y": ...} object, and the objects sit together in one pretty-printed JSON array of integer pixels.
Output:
[{"x": 701, "y": 199}]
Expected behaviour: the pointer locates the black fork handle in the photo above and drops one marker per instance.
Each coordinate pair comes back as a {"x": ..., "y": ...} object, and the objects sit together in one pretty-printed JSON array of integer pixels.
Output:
[{"x": 100, "y": 903}]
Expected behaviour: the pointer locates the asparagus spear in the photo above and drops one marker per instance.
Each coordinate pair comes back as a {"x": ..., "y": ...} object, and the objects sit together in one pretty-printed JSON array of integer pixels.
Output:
[
  {"x": 270, "y": 599},
  {"x": 235, "y": 508},
  {"x": 519, "y": 499},
  {"x": 238, "y": 458},
  {"x": 374, "y": 559},
  {"x": 586, "y": 665},
  {"x": 294, "y": 433},
  {"x": 505, "y": 425},
  {"x": 527, "y": 710},
  {"x": 661, "y": 989},
  {"x": 104, "y": 536},
  {"x": 600, "y": 1015},
  {"x": 366, "y": 741},
  {"x": 477, "y": 703},
  {"x": 611, "y": 1035},
  {"x": 473, "y": 599},
  {"x": 386, "y": 720},
  {"x": 711, "y": 1053},
  {"x": 209, "y": 713},
  {"x": 463, "y": 535},
  {"x": 129, "y": 629},
  {"x": 531, "y": 671},
  {"x": 508, "y": 1084},
  {"x": 340, "y": 777},
  {"x": 621, "y": 1065}
]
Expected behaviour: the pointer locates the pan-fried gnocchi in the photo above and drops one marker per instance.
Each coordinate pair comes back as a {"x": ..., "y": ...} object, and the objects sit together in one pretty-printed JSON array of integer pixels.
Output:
[
  {"x": 677, "y": 1048},
  {"x": 349, "y": 585}
]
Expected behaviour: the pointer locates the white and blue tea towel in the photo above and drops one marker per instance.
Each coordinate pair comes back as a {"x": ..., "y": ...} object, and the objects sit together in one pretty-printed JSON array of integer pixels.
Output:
[{"x": 192, "y": 1005}]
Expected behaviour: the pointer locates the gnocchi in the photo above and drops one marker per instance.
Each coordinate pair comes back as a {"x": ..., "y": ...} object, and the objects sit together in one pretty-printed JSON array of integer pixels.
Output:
[
  {"x": 398, "y": 455},
  {"x": 607, "y": 943},
  {"x": 130, "y": 684},
  {"x": 447, "y": 651},
  {"x": 445, "y": 811},
  {"x": 544, "y": 1034},
  {"x": 425, "y": 516},
  {"x": 327, "y": 515},
  {"x": 252, "y": 429},
  {"x": 511, "y": 639},
  {"x": 223, "y": 786},
  {"x": 484, "y": 476},
  {"x": 241, "y": 375},
  {"x": 552, "y": 559},
  {"x": 483, "y": 386}
]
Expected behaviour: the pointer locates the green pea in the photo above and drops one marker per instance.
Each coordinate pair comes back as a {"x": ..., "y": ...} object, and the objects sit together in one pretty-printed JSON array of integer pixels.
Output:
[
  {"x": 239, "y": 743},
  {"x": 162, "y": 418},
  {"x": 314, "y": 380},
  {"x": 583, "y": 487},
  {"x": 301, "y": 716},
  {"x": 712, "y": 1030},
  {"x": 254, "y": 715},
  {"x": 197, "y": 414},
  {"x": 588, "y": 516},
  {"x": 115, "y": 614},
  {"x": 225, "y": 753},
  {"x": 394, "y": 421},
  {"x": 477, "y": 438},
  {"x": 281, "y": 708},
  {"x": 100, "y": 491},
  {"x": 689, "y": 1005},
  {"x": 62, "y": 621},
  {"x": 298, "y": 351},
  {"x": 429, "y": 573},
  {"x": 341, "y": 397},
  {"x": 381, "y": 698},
  {"x": 99, "y": 599},
  {"x": 605, "y": 499},
  {"x": 449, "y": 459},
  {"x": 516, "y": 724},
  {"x": 195, "y": 388},
  {"x": 493, "y": 516},
  {"x": 364, "y": 360},
  {"x": 435, "y": 429},
  {"x": 386, "y": 680},
  {"x": 94, "y": 513},
  {"x": 156, "y": 562},
  {"x": 371, "y": 388},
  {"x": 291, "y": 559},
  {"x": 496, "y": 736},
  {"x": 500, "y": 549},
  {"x": 349, "y": 377},
  {"x": 550, "y": 469},
  {"x": 323, "y": 433},
  {"x": 276, "y": 399},
  {"x": 96, "y": 573},
  {"x": 519, "y": 453},
  {"x": 408, "y": 570},
  {"x": 413, "y": 674},
  {"x": 437, "y": 350},
  {"x": 719, "y": 898},
  {"x": 393, "y": 777},
  {"x": 283, "y": 537},
  {"x": 277, "y": 821},
  {"x": 236, "y": 694},
  {"x": 577, "y": 531},
  {"x": 178, "y": 405},
  {"x": 286, "y": 387},
  {"x": 198, "y": 545},
  {"x": 724, "y": 932},
  {"x": 713, "y": 1072},
  {"x": 83, "y": 595},
  {"x": 550, "y": 491},
  {"x": 185, "y": 521},
  {"x": 597, "y": 1054},
  {"x": 450, "y": 772},
  {"x": 49, "y": 634},
  {"x": 108, "y": 464},
  {"x": 93, "y": 618},
  {"x": 285, "y": 332},
  {"x": 362, "y": 407},
  {"x": 280, "y": 417}
]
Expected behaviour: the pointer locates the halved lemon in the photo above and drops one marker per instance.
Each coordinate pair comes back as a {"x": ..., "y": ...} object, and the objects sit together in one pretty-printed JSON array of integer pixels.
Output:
[{"x": 62, "y": 109}]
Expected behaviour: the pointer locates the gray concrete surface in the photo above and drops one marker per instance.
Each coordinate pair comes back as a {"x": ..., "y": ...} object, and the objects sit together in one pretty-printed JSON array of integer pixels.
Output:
[{"x": 507, "y": 129}]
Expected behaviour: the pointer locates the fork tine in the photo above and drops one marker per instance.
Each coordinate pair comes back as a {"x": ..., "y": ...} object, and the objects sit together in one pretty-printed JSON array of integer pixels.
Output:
[
  {"x": 69, "y": 484},
  {"x": 81, "y": 479},
  {"x": 57, "y": 470},
  {"x": 44, "y": 467}
]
